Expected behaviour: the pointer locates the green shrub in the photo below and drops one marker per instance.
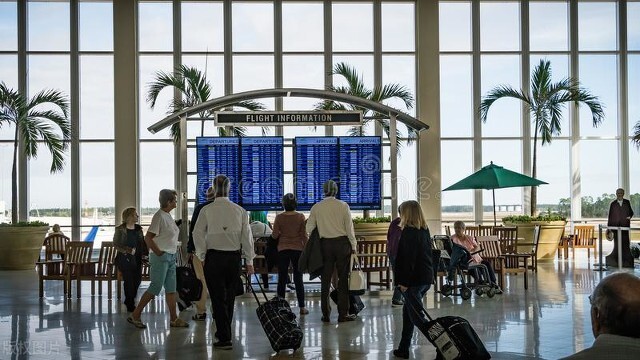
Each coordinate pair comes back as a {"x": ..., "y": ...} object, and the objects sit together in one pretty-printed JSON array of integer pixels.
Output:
[
  {"x": 523, "y": 219},
  {"x": 25, "y": 224},
  {"x": 371, "y": 220}
]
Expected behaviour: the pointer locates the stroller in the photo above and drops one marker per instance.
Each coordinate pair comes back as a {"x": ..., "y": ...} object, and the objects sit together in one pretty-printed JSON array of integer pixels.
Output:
[{"x": 456, "y": 260}]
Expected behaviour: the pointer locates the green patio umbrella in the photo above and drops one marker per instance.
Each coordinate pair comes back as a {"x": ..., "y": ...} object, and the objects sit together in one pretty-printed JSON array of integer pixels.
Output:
[{"x": 493, "y": 177}]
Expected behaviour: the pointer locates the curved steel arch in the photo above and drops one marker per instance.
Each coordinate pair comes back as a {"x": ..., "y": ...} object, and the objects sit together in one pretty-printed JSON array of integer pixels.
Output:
[{"x": 287, "y": 92}]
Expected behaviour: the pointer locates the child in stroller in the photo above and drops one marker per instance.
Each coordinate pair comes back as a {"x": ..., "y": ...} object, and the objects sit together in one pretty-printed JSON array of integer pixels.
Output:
[{"x": 457, "y": 261}]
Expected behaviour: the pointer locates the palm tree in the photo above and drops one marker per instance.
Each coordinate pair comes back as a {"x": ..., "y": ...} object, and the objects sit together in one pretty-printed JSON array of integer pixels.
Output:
[
  {"x": 195, "y": 89},
  {"x": 356, "y": 87},
  {"x": 545, "y": 102},
  {"x": 636, "y": 135},
  {"x": 42, "y": 118}
]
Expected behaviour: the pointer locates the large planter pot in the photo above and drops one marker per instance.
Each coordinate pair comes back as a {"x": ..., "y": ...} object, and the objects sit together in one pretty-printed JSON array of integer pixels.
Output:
[
  {"x": 550, "y": 234},
  {"x": 21, "y": 246},
  {"x": 372, "y": 231}
]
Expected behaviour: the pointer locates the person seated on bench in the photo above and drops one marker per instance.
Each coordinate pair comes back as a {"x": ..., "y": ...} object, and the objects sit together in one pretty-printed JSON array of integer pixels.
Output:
[{"x": 469, "y": 243}]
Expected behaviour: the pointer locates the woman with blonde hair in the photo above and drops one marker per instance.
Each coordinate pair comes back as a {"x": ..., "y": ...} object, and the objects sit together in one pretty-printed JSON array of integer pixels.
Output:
[
  {"x": 414, "y": 269},
  {"x": 128, "y": 240}
]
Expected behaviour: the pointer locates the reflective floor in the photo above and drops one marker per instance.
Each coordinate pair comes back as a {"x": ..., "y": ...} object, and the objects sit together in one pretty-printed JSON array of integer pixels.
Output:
[{"x": 548, "y": 321}]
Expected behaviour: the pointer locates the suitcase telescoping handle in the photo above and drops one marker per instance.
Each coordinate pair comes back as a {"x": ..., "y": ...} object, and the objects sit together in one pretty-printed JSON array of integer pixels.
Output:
[{"x": 253, "y": 291}]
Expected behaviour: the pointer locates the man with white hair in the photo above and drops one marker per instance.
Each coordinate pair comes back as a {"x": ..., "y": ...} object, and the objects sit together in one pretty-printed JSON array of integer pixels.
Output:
[
  {"x": 221, "y": 237},
  {"x": 615, "y": 319},
  {"x": 332, "y": 217}
]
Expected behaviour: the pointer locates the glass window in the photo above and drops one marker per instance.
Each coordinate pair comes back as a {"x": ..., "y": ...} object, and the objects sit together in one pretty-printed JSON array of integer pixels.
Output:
[
  {"x": 308, "y": 16},
  {"x": 634, "y": 174},
  {"x": 549, "y": 26},
  {"x": 398, "y": 27},
  {"x": 254, "y": 73},
  {"x": 499, "y": 26},
  {"x": 352, "y": 27},
  {"x": 457, "y": 163},
  {"x": 407, "y": 172},
  {"x": 98, "y": 184},
  {"x": 96, "y": 97},
  {"x": 633, "y": 25},
  {"x": 252, "y": 26},
  {"x": 401, "y": 70},
  {"x": 597, "y": 26},
  {"x": 202, "y": 26},
  {"x": 155, "y": 26},
  {"x": 8, "y": 75},
  {"x": 508, "y": 154},
  {"x": 148, "y": 66},
  {"x": 49, "y": 194},
  {"x": 48, "y": 26},
  {"x": 6, "y": 162},
  {"x": 212, "y": 66},
  {"x": 48, "y": 72},
  {"x": 559, "y": 71},
  {"x": 96, "y": 26},
  {"x": 303, "y": 71},
  {"x": 363, "y": 65},
  {"x": 456, "y": 105},
  {"x": 156, "y": 173},
  {"x": 455, "y": 26},
  {"x": 598, "y": 74},
  {"x": 553, "y": 168},
  {"x": 504, "y": 118},
  {"x": 600, "y": 179},
  {"x": 634, "y": 91},
  {"x": 8, "y": 26}
]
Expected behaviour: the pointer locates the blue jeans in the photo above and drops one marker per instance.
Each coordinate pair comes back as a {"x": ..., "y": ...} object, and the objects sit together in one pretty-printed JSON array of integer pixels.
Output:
[
  {"x": 397, "y": 294},
  {"x": 412, "y": 298}
]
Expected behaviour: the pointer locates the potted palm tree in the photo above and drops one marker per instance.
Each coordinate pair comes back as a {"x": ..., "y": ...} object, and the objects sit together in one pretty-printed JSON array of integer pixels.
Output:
[
  {"x": 195, "y": 89},
  {"x": 545, "y": 102},
  {"x": 356, "y": 87},
  {"x": 43, "y": 118}
]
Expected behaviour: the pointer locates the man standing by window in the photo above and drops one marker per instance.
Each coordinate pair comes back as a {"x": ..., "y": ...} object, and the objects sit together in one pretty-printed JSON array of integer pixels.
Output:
[{"x": 620, "y": 214}]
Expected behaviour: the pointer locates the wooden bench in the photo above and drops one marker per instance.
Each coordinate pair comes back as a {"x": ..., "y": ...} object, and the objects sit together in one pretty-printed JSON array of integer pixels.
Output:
[
  {"x": 373, "y": 258},
  {"x": 503, "y": 263}
]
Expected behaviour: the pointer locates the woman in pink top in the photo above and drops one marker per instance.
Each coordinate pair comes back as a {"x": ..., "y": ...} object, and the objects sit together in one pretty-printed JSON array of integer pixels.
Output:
[
  {"x": 289, "y": 229},
  {"x": 469, "y": 243}
]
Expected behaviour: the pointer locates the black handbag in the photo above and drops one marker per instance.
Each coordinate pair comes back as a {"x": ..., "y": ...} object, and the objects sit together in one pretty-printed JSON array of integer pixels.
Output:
[{"x": 126, "y": 262}]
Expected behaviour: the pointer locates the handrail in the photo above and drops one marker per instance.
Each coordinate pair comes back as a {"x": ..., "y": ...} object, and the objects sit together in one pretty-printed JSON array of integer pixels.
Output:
[{"x": 619, "y": 229}]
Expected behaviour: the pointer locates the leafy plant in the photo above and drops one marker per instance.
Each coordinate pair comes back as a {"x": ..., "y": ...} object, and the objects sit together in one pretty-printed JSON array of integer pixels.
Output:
[
  {"x": 371, "y": 220},
  {"x": 24, "y": 224},
  {"x": 356, "y": 87},
  {"x": 545, "y": 102},
  {"x": 524, "y": 219},
  {"x": 43, "y": 118},
  {"x": 636, "y": 135},
  {"x": 195, "y": 89}
]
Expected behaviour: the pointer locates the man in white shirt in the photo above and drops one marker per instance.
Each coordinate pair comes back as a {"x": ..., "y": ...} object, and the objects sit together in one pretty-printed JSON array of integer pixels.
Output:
[
  {"x": 338, "y": 242},
  {"x": 221, "y": 236}
]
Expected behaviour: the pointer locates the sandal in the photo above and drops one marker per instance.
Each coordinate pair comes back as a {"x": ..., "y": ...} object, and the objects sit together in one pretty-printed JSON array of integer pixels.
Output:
[
  {"x": 178, "y": 323},
  {"x": 136, "y": 322}
]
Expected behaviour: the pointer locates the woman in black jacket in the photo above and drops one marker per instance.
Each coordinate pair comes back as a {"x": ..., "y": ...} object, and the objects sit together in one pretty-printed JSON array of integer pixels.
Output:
[
  {"x": 129, "y": 241},
  {"x": 414, "y": 269}
]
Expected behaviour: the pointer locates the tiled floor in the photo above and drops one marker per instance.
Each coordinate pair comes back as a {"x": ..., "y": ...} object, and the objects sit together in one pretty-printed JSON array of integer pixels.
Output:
[{"x": 548, "y": 321}]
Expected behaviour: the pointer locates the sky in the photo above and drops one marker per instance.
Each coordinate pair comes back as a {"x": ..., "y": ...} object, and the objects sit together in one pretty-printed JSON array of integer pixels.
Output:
[{"x": 353, "y": 28}]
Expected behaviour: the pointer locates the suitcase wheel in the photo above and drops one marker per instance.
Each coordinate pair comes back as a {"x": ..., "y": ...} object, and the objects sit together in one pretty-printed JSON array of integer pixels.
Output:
[
  {"x": 480, "y": 291},
  {"x": 491, "y": 292}
]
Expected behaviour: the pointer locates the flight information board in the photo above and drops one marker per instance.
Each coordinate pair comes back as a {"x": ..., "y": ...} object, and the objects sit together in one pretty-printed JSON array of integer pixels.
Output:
[
  {"x": 217, "y": 156},
  {"x": 261, "y": 172},
  {"x": 360, "y": 171},
  {"x": 316, "y": 161}
]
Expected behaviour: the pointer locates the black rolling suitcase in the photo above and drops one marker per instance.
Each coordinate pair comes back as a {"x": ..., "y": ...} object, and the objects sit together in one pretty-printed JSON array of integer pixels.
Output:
[
  {"x": 278, "y": 321},
  {"x": 189, "y": 287},
  {"x": 453, "y": 336}
]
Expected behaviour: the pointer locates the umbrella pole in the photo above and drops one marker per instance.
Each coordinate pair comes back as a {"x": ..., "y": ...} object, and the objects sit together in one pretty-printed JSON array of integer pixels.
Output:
[{"x": 493, "y": 192}]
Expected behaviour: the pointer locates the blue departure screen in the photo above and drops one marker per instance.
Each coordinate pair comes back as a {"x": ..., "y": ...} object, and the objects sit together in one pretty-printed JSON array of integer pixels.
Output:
[
  {"x": 316, "y": 161},
  {"x": 360, "y": 171},
  {"x": 261, "y": 173},
  {"x": 217, "y": 156}
]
